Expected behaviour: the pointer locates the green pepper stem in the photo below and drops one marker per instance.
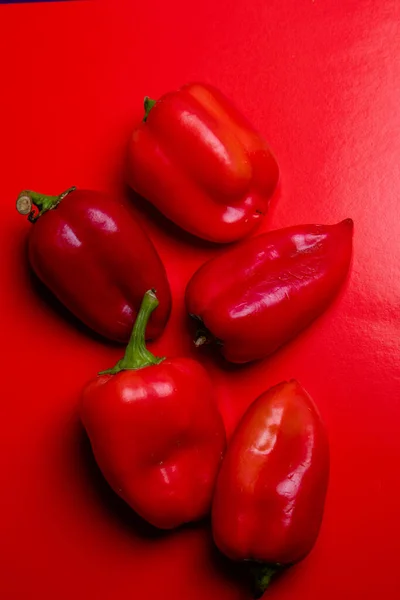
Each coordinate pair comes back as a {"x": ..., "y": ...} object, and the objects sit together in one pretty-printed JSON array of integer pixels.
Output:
[
  {"x": 262, "y": 575},
  {"x": 28, "y": 199},
  {"x": 137, "y": 356},
  {"x": 148, "y": 105}
]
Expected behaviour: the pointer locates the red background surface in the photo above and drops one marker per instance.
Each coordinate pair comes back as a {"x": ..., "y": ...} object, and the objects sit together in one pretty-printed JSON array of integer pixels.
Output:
[{"x": 321, "y": 80}]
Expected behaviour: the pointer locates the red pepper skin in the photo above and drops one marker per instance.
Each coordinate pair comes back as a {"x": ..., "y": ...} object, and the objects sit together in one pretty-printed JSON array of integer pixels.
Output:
[
  {"x": 270, "y": 492},
  {"x": 199, "y": 161},
  {"x": 263, "y": 292},
  {"x": 89, "y": 251},
  {"x": 157, "y": 436}
]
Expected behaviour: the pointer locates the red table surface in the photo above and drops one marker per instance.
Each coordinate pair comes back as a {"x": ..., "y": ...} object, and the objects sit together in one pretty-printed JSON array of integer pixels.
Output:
[{"x": 321, "y": 80}]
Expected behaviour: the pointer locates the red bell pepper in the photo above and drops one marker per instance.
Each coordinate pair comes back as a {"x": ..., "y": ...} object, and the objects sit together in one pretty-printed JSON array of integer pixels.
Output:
[
  {"x": 89, "y": 251},
  {"x": 260, "y": 294},
  {"x": 155, "y": 430},
  {"x": 270, "y": 492},
  {"x": 199, "y": 161}
]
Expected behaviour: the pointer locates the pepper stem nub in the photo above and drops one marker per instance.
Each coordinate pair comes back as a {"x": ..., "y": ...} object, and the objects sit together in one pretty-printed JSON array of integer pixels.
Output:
[
  {"x": 201, "y": 339},
  {"x": 137, "y": 356},
  {"x": 261, "y": 578},
  {"x": 28, "y": 199},
  {"x": 148, "y": 105}
]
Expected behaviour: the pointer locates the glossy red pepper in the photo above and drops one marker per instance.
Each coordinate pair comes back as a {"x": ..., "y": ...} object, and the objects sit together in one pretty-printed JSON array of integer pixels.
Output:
[
  {"x": 155, "y": 431},
  {"x": 258, "y": 295},
  {"x": 200, "y": 162},
  {"x": 270, "y": 492},
  {"x": 89, "y": 251}
]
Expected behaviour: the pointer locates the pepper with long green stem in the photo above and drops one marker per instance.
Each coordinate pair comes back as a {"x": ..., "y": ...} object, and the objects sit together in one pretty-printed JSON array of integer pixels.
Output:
[{"x": 155, "y": 430}]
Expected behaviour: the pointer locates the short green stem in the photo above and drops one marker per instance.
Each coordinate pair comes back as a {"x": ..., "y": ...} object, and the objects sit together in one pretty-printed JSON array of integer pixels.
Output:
[
  {"x": 137, "y": 356},
  {"x": 42, "y": 202},
  {"x": 148, "y": 105},
  {"x": 261, "y": 578}
]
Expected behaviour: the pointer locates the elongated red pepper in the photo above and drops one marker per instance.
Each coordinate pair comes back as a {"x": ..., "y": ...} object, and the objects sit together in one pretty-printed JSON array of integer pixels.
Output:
[
  {"x": 260, "y": 294},
  {"x": 199, "y": 161},
  {"x": 270, "y": 492},
  {"x": 155, "y": 431},
  {"x": 89, "y": 251}
]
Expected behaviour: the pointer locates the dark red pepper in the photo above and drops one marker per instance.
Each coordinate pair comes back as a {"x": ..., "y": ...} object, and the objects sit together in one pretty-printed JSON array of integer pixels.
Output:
[
  {"x": 270, "y": 492},
  {"x": 200, "y": 162},
  {"x": 261, "y": 293},
  {"x": 89, "y": 251},
  {"x": 155, "y": 431}
]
